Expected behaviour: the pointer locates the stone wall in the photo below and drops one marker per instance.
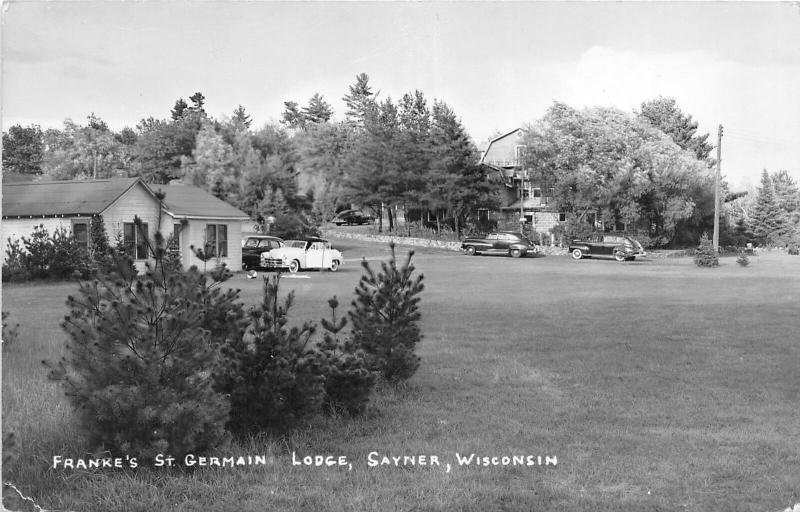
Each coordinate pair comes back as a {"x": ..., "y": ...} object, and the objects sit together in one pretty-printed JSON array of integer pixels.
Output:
[{"x": 417, "y": 242}]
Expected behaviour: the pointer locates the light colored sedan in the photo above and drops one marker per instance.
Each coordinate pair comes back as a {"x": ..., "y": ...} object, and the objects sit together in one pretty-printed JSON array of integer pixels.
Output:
[{"x": 309, "y": 253}]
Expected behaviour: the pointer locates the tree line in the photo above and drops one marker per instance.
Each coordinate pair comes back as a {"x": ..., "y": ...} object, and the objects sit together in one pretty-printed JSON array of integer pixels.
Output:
[
  {"x": 301, "y": 170},
  {"x": 649, "y": 171}
]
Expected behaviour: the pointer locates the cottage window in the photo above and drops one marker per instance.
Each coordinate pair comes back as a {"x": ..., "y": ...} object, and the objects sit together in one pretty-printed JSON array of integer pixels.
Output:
[
  {"x": 80, "y": 231},
  {"x": 537, "y": 192},
  {"x": 135, "y": 240},
  {"x": 217, "y": 240}
]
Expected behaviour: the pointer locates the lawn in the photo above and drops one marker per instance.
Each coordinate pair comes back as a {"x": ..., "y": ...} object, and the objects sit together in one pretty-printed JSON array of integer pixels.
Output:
[{"x": 656, "y": 385}]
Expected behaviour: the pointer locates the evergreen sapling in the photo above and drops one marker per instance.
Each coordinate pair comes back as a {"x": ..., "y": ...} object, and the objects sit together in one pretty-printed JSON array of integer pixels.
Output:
[
  {"x": 348, "y": 382},
  {"x": 138, "y": 360},
  {"x": 385, "y": 318},
  {"x": 272, "y": 375},
  {"x": 705, "y": 256}
]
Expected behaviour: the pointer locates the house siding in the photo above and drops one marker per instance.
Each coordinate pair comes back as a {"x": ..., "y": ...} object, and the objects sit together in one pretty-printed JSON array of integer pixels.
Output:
[
  {"x": 194, "y": 234},
  {"x": 135, "y": 202},
  {"x": 503, "y": 151}
]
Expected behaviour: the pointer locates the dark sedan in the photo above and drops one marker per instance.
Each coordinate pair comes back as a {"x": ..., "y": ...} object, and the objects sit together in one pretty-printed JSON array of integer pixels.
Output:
[
  {"x": 352, "y": 217},
  {"x": 253, "y": 246},
  {"x": 621, "y": 248},
  {"x": 502, "y": 242}
]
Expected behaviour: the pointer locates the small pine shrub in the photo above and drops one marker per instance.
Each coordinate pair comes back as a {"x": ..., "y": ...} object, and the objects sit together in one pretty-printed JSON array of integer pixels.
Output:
[
  {"x": 15, "y": 267},
  {"x": 101, "y": 253},
  {"x": 743, "y": 260},
  {"x": 705, "y": 255},
  {"x": 137, "y": 369},
  {"x": 385, "y": 318},
  {"x": 38, "y": 252},
  {"x": 273, "y": 376},
  {"x": 348, "y": 381},
  {"x": 67, "y": 258}
]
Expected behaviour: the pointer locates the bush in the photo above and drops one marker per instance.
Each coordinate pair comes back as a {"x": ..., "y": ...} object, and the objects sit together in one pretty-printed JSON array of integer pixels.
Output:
[
  {"x": 743, "y": 260},
  {"x": 793, "y": 250},
  {"x": 348, "y": 381},
  {"x": 15, "y": 266},
  {"x": 293, "y": 225},
  {"x": 38, "y": 252},
  {"x": 138, "y": 360},
  {"x": 274, "y": 379},
  {"x": 705, "y": 256},
  {"x": 43, "y": 255},
  {"x": 385, "y": 318},
  {"x": 67, "y": 258}
]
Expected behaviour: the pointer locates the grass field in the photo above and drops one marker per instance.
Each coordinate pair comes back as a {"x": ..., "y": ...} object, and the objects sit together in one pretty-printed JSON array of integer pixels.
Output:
[{"x": 656, "y": 384}]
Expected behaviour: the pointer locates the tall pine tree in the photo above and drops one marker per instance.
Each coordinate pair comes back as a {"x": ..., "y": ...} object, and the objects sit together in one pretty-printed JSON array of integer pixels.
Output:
[
  {"x": 360, "y": 101},
  {"x": 768, "y": 220}
]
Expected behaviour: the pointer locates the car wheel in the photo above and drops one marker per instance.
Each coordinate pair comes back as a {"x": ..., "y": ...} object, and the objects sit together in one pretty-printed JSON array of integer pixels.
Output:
[
  {"x": 470, "y": 251},
  {"x": 334, "y": 265},
  {"x": 619, "y": 256},
  {"x": 294, "y": 266},
  {"x": 577, "y": 254},
  {"x": 515, "y": 253},
  {"x": 244, "y": 266}
]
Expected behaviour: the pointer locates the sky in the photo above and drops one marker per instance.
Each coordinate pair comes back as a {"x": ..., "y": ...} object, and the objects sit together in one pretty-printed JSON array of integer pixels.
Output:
[{"x": 499, "y": 65}]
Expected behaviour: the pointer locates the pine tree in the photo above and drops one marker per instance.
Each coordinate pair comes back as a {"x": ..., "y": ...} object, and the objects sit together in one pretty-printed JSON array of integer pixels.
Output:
[
  {"x": 138, "y": 359},
  {"x": 705, "y": 256},
  {"x": 241, "y": 117},
  {"x": 385, "y": 318},
  {"x": 768, "y": 220},
  {"x": 274, "y": 380},
  {"x": 348, "y": 382},
  {"x": 360, "y": 101},
  {"x": 318, "y": 110},
  {"x": 292, "y": 117}
]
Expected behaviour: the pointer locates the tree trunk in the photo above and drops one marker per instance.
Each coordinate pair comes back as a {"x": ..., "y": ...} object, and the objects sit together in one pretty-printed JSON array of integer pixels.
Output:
[
  {"x": 390, "y": 218},
  {"x": 405, "y": 219},
  {"x": 380, "y": 219}
]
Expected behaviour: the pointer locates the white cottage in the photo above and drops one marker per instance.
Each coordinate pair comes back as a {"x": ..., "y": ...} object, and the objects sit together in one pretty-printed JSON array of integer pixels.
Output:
[{"x": 193, "y": 216}]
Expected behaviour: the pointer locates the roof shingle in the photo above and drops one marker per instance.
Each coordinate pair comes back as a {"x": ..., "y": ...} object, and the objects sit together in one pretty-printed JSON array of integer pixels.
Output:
[
  {"x": 54, "y": 198},
  {"x": 188, "y": 201}
]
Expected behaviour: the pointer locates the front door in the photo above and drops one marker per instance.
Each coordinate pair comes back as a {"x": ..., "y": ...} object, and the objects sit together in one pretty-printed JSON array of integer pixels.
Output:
[{"x": 315, "y": 255}]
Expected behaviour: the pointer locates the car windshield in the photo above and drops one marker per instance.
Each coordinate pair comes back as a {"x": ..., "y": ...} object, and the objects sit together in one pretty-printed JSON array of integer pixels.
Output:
[
  {"x": 298, "y": 244},
  {"x": 251, "y": 242}
]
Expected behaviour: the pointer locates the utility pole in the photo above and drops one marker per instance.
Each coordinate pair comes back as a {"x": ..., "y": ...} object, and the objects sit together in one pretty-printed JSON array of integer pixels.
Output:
[
  {"x": 716, "y": 191},
  {"x": 522, "y": 177}
]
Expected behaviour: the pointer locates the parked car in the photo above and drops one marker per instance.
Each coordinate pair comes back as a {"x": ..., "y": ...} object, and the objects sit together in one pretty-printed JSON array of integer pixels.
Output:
[
  {"x": 309, "y": 253},
  {"x": 621, "y": 248},
  {"x": 352, "y": 217},
  {"x": 256, "y": 245},
  {"x": 501, "y": 242}
]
